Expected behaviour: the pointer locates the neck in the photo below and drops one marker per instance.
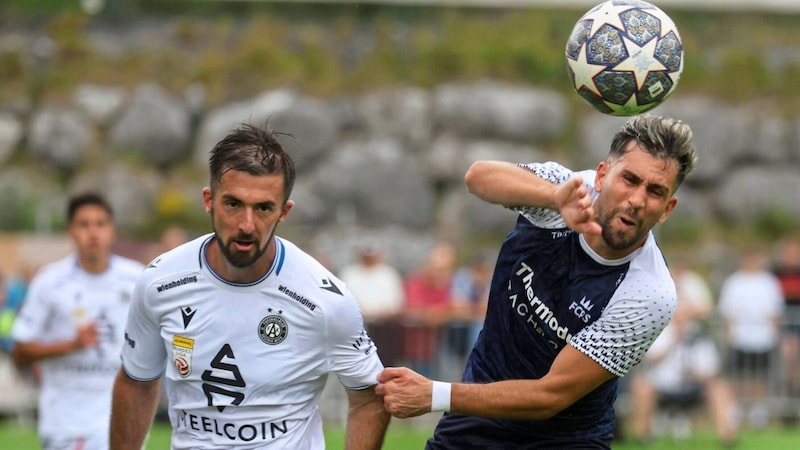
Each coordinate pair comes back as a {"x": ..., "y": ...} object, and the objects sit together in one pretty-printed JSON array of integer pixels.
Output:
[
  {"x": 599, "y": 245},
  {"x": 93, "y": 265}
]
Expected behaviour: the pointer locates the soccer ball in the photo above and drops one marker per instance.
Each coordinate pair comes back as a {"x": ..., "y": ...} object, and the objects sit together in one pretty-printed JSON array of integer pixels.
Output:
[{"x": 624, "y": 57}]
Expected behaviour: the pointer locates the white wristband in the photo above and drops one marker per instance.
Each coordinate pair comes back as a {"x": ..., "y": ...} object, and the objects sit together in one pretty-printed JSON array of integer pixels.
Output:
[{"x": 440, "y": 397}]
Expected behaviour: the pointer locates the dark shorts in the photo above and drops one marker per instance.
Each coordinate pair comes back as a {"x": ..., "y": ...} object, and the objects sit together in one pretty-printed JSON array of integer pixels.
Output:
[
  {"x": 792, "y": 319},
  {"x": 690, "y": 395},
  {"x": 485, "y": 434},
  {"x": 749, "y": 364}
]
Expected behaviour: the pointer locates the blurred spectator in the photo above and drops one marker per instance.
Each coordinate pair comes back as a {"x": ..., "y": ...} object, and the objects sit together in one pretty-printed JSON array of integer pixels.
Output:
[
  {"x": 427, "y": 307},
  {"x": 469, "y": 299},
  {"x": 787, "y": 269},
  {"x": 751, "y": 305},
  {"x": 170, "y": 238},
  {"x": 17, "y": 397},
  {"x": 71, "y": 325},
  {"x": 682, "y": 368},
  {"x": 378, "y": 288}
]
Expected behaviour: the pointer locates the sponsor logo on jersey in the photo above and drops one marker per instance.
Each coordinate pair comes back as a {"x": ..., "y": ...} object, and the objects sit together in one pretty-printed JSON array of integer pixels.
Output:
[
  {"x": 328, "y": 285},
  {"x": 273, "y": 329},
  {"x": 582, "y": 309},
  {"x": 131, "y": 342},
  {"x": 535, "y": 312},
  {"x": 364, "y": 343},
  {"x": 187, "y": 313},
  {"x": 297, "y": 297},
  {"x": 182, "y": 348},
  {"x": 175, "y": 283},
  {"x": 236, "y": 432}
]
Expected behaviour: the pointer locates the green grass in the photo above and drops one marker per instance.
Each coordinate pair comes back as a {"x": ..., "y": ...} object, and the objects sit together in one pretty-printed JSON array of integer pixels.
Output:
[{"x": 401, "y": 436}]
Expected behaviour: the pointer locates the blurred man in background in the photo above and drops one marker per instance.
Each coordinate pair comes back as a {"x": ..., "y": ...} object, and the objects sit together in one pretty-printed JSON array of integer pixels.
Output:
[
  {"x": 751, "y": 306},
  {"x": 71, "y": 324}
]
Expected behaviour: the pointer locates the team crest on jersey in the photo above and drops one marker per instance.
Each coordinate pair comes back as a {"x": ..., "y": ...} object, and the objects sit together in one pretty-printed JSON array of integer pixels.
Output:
[
  {"x": 273, "y": 329},
  {"x": 182, "y": 348}
]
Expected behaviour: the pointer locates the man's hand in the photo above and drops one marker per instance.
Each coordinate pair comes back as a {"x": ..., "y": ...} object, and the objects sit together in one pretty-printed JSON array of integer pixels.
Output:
[
  {"x": 405, "y": 392},
  {"x": 86, "y": 336},
  {"x": 576, "y": 207}
]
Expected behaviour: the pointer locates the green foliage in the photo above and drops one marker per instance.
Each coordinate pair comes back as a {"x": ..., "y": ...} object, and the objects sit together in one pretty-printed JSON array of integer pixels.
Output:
[
  {"x": 774, "y": 224},
  {"x": 235, "y": 52}
]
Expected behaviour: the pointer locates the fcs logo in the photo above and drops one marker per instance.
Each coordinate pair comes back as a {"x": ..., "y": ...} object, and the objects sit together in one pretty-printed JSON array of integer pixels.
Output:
[{"x": 582, "y": 309}]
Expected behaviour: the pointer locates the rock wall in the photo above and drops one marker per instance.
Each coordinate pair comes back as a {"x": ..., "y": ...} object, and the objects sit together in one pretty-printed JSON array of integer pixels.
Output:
[{"x": 388, "y": 164}]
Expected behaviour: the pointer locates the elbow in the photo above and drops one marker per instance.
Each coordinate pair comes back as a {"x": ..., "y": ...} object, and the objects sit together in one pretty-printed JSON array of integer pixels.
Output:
[
  {"x": 474, "y": 175},
  {"x": 18, "y": 356},
  {"x": 552, "y": 406},
  {"x": 549, "y": 412}
]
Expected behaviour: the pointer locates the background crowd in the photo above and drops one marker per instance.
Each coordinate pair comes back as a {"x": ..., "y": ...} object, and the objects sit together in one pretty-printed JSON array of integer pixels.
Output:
[{"x": 730, "y": 357}]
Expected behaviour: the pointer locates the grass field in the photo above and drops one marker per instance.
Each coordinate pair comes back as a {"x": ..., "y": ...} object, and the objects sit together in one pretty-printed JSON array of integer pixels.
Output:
[{"x": 403, "y": 437}]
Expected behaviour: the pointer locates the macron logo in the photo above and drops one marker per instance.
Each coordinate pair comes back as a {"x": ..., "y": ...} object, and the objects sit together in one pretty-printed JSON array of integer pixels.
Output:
[
  {"x": 328, "y": 285},
  {"x": 187, "y": 312}
]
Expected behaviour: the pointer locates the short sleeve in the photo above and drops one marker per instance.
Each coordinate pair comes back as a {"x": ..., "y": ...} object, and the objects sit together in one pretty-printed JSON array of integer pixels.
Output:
[
  {"x": 556, "y": 174},
  {"x": 143, "y": 353},
  {"x": 620, "y": 338},
  {"x": 352, "y": 354},
  {"x": 30, "y": 322}
]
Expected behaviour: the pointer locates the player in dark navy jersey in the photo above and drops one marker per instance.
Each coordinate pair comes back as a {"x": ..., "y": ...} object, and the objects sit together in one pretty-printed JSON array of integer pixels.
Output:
[{"x": 580, "y": 291}]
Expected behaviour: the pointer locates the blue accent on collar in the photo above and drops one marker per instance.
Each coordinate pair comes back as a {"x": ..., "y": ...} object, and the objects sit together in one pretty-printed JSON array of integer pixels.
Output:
[{"x": 280, "y": 255}]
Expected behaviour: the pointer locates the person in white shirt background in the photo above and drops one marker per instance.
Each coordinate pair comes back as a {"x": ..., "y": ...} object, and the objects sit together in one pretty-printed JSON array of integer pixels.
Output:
[
  {"x": 751, "y": 306},
  {"x": 378, "y": 288},
  {"x": 71, "y": 325}
]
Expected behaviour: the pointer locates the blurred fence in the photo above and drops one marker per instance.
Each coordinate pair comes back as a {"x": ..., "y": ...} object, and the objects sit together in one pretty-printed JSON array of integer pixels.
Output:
[
  {"x": 441, "y": 351},
  {"x": 448, "y": 346}
]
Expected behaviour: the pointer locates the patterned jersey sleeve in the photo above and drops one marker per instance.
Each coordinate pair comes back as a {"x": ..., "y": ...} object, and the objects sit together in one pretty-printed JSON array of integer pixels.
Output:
[
  {"x": 619, "y": 339},
  {"x": 352, "y": 354},
  {"x": 143, "y": 353},
  {"x": 556, "y": 174}
]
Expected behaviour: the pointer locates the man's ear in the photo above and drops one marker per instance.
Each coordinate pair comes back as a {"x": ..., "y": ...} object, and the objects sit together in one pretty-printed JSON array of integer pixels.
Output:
[
  {"x": 602, "y": 172},
  {"x": 286, "y": 208},
  {"x": 207, "y": 198},
  {"x": 671, "y": 204}
]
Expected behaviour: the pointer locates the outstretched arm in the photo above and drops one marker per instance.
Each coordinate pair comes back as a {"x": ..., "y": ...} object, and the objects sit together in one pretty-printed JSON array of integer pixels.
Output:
[
  {"x": 31, "y": 352},
  {"x": 132, "y": 410},
  {"x": 572, "y": 376},
  {"x": 510, "y": 185},
  {"x": 367, "y": 420}
]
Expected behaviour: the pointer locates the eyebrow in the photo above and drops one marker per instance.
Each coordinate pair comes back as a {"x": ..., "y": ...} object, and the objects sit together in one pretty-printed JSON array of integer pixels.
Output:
[{"x": 663, "y": 189}]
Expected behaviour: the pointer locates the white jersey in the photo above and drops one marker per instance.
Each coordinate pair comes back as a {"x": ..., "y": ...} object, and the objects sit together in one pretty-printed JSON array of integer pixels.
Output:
[
  {"x": 245, "y": 364},
  {"x": 75, "y": 397}
]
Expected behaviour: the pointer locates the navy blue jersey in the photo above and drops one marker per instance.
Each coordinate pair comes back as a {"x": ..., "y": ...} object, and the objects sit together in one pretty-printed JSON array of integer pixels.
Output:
[{"x": 550, "y": 290}]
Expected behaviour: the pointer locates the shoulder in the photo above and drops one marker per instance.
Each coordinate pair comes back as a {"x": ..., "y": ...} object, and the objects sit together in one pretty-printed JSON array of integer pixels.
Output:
[
  {"x": 125, "y": 265},
  {"x": 649, "y": 272},
  {"x": 297, "y": 270},
  {"x": 180, "y": 257},
  {"x": 55, "y": 271}
]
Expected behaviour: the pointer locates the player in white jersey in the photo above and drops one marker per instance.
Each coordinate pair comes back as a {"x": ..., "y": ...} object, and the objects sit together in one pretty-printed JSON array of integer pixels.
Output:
[
  {"x": 244, "y": 325},
  {"x": 71, "y": 324},
  {"x": 580, "y": 291}
]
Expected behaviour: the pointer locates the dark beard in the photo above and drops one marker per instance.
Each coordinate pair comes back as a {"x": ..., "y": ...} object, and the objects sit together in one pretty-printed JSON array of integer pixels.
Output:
[
  {"x": 239, "y": 259},
  {"x": 618, "y": 241}
]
